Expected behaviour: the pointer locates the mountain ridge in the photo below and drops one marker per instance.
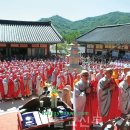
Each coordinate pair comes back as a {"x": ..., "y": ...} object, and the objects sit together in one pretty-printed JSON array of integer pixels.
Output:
[{"x": 66, "y": 26}]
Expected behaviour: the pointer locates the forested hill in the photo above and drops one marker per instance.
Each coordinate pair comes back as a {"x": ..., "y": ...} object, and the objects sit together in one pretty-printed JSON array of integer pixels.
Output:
[{"x": 65, "y": 26}]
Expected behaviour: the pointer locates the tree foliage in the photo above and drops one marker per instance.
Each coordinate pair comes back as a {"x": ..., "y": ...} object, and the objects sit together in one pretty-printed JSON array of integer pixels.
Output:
[
  {"x": 62, "y": 48},
  {"x": 69, "y": 38}
]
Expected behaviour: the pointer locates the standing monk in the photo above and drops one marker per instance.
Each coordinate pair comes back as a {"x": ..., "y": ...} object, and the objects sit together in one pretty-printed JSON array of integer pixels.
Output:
[
  {"x": 124, "y": 95},
  {"x": 107, "y": 93},
  {"x": 79, "y": 98},
  {"x": 8, "y": 87},
  {"x": 1, "y": 89}
]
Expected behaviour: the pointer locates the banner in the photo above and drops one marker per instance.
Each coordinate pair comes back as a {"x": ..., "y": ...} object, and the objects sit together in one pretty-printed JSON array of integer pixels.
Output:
[
  {"x": 23, "y": 45},
  {"x": 2, "y": 45},
  {"x": 35, "y": 45},
  {"x": 43, "y": 45},
  {"x": 14, "y": 45}
]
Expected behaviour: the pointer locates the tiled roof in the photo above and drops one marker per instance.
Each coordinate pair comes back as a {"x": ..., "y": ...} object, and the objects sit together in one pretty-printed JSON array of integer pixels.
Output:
[
  {"x": 107, "y": 34},
  {"x": 28, "y": 32}
]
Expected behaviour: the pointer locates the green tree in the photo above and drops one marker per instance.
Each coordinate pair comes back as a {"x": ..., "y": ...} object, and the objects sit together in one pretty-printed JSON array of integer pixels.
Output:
[
  {"x": 62, "y": 48},
  {"x": 69, "y": 38}
]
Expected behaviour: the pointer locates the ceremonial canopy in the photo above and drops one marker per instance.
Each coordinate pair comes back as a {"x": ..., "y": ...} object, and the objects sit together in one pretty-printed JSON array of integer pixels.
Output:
[{"x": 33, "y": 37}]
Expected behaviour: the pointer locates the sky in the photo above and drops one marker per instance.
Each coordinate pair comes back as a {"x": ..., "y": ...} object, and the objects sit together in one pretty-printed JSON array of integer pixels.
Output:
[{"x": 33, "y": 10}]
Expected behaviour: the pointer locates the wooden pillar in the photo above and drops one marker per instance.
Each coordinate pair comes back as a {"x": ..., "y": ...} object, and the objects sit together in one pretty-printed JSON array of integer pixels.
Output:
[
  {"x": 10, "y": 52},
  {"x": 38, "y": 51},
  {"x": 7, "y": 52},
  {"x": 30, "y": 46},
  {"x": 48, "y": 50},
  {"x": 85, "y": 48},
  {"x": 56, "y": 49},
  {"x": 31, "y": 51},
  {"x": 94, "y": 48}
]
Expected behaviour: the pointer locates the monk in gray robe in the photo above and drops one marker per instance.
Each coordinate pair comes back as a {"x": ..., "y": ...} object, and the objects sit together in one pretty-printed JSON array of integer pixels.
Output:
[
  {"x": 79, "y": 95},
  {"x": 124, "y": 95},
  {"x": 104, "y": 93}
]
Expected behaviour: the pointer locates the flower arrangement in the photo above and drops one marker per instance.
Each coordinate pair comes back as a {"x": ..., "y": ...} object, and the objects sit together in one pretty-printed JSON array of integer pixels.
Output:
[{"x": 54, "y": 94}]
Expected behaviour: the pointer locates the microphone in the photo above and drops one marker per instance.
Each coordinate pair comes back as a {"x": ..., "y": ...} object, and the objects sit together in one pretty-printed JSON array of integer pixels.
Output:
[
  {"x": 48, "y": 92},
  {"x": 45, "y": 93}
]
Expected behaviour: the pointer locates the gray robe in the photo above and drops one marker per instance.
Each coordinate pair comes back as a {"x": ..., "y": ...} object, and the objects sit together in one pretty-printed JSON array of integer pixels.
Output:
[
  {"x": 38, "y": 87},
  {"x": 5, "y": 85},
  {"x": 79, "y": 98},
  {"x": 124, "y": 97},
  {"x": 104, "y": 96}
]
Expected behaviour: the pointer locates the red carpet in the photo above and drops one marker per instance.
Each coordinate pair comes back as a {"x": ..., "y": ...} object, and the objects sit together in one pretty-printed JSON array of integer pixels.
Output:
[{"x": 9, "y": 121}]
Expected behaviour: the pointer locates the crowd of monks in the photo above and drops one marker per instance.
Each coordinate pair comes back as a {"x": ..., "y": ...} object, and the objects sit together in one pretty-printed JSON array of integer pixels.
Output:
[
  {"x": 104, "y": 91},
  {"x": 24, "y": 78}
]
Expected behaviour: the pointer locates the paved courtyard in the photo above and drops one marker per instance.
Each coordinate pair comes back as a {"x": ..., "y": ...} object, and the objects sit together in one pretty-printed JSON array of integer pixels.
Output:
[
  {"x": 12, "y": 105},
  {"x": 8, "y": 113}
]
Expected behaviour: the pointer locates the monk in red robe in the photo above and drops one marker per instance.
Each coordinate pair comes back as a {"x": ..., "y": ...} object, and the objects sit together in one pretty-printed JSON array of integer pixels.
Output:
[
  {"x": 22, "y": 85},
  {"x": 93, "y": 98},
  {"x": 8, "y": 87},
  {"x": 54, "y": 77},
  {"x": 60, "y": 81},
  {"x": 1, "y": 89},
  {"x": 17, "y": 89}
]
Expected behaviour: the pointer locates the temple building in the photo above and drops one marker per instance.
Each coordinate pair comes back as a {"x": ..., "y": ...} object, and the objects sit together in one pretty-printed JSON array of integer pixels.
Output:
[
  {"x": 27, "y": 38},
  {"x": 112, "y": 39}
]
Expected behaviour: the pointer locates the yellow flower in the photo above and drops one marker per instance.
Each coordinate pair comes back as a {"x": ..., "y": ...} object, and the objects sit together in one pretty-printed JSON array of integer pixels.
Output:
[{"x": 54, "y": 93}]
